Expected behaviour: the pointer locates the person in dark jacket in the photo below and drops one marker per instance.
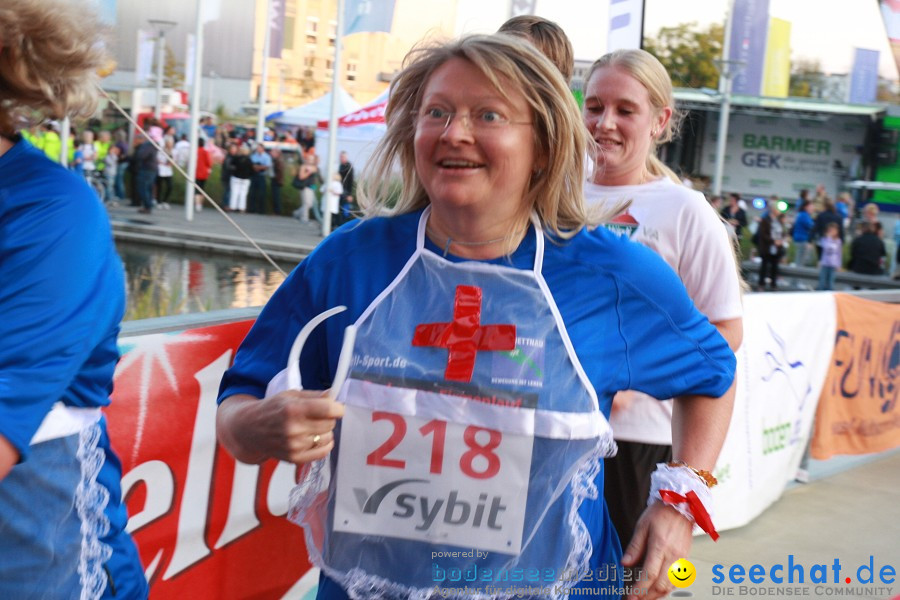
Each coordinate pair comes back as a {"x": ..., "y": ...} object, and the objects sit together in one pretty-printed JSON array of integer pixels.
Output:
[
  {"x": 146, "y": 162},
  {"x": 828, "y": 215},
  {"x": 867, "y": 252},
  {"x": 771, "y": 246},
  {"x": 277, "y": 179},
  {"x": 734, "y": 214},
  {"x": 347, "y": 181},
  {"x": 242, "y": 171},
  {"x": 226, "y": 173}
]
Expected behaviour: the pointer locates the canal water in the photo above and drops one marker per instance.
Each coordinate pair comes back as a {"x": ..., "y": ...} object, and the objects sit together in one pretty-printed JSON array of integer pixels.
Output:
[{"x": 163, "y": 281}]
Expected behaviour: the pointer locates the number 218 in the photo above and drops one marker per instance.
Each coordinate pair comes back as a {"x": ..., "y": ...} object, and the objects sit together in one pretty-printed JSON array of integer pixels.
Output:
[{"x": 438, "y": 429}]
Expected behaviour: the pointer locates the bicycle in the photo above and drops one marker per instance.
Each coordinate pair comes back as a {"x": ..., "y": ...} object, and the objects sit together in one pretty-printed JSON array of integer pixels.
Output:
[{"x": 97, "y": 182}]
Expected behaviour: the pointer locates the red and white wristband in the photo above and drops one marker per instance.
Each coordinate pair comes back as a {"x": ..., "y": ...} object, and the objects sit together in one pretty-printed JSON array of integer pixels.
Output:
[{"x": 686, "y": 490}]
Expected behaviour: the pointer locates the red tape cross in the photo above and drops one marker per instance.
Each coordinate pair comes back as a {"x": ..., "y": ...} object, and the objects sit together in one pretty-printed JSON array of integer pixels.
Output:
[{"x": 465, "y": 335}]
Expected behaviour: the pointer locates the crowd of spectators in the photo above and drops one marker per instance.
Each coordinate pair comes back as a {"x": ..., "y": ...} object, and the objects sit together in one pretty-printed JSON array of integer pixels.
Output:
[{"x": 252, "y": 176}]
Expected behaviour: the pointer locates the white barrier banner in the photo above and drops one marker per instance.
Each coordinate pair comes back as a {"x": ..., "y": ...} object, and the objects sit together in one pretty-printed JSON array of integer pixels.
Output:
[{"x": 781, "y": 368}]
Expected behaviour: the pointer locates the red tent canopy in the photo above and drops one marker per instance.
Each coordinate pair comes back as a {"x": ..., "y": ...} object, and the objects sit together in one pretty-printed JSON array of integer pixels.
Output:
[{"x": 367, "y": 115}]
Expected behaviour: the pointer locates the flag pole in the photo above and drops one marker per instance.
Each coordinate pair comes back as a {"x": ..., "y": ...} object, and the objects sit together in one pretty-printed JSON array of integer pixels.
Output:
[
  {"x": 65, "y": 129},
  {"x": 261, "y": 117},
  {"x": 726, "y": 74},
  {"x": 195, "y": 114},
  {"x": 333, "y": 120}
]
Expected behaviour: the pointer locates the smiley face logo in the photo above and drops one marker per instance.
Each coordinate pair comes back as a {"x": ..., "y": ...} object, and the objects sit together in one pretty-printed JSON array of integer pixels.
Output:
[{"x": 682, "y": 573}]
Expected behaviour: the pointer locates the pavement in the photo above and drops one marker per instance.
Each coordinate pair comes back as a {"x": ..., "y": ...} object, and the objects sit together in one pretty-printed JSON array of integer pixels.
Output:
[
  {"x": 285, "y": 239},
  {"x": 850, "y": 511}
]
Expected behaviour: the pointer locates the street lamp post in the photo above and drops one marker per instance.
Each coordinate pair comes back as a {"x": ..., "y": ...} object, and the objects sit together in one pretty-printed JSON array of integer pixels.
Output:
[
  {"x": 210, "y": 107},
  {"x": 727, "y": 70},
  {"x": 161, "y": 26}
]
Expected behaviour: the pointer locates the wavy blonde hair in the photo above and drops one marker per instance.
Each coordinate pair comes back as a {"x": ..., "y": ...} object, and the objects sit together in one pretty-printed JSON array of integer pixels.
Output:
[
  {"x": 513, "y": 65},
  {"x": 548, "y": 37},
  {"x": 650, "y": 73},
  {"x": 50, "y": 55}
]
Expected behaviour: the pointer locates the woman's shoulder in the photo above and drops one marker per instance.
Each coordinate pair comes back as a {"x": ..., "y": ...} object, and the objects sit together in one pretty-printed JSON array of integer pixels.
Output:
[
  {"x": 663, "y": 193},
  {"x": 684, "y": 199},
  {"x": 33, "y": 187},
  {"x": 599, "y": 263},
  {"x": 609, "y": 255},
  {"x": 364, "y": 238}
]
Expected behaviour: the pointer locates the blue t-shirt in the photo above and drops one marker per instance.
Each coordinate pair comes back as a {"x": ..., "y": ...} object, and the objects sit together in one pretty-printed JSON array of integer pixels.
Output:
[
  {"x": 628, "y": 316},
  {"x": 78, "y": 162},
  {"x": 803, "y": 226},
  {"x": 261, "y": 159},
  {"x": 62, "y": 296}
]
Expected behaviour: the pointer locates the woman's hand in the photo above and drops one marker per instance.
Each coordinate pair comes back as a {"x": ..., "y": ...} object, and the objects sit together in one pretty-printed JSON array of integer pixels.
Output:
[
  {"x": 293, "y": 426},
  {"x": 661, "y": 537}
]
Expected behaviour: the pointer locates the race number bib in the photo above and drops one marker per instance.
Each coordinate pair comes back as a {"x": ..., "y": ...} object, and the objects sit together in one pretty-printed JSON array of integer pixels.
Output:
[{"x": 431, "y": 479}]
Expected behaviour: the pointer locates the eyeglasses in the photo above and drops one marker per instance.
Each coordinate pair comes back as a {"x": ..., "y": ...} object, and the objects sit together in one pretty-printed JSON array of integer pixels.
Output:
[{"x": 438, "y": 119}]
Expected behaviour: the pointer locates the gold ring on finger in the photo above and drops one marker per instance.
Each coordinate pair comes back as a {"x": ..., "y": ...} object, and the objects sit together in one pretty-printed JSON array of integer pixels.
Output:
[{"x": 316, "y": 439}]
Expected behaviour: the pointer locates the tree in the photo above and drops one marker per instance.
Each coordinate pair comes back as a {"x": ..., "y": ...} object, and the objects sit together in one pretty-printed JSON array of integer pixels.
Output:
[
  {"x": 689, "y": 53},
  {"x": 173, "y": 71},
  {"x": 886, "y": 94},
  {"x": 806, "y": 78}
]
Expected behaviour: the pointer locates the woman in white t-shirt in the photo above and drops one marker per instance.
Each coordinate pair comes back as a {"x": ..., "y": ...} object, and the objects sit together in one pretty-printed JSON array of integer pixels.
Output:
[
  {"x": 164, "y": 173},
  {"x": 629, "y": 110},
  {"x": 88, "y": 152},
  {"x": 333, "y": 198}
]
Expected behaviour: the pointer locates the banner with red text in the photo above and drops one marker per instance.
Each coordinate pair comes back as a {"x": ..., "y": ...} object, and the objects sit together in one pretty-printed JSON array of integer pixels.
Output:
[
  {"x": 858, "y": 411},
  {"x": 208, "y": 527},
  {"x": 205, "y": 526}
]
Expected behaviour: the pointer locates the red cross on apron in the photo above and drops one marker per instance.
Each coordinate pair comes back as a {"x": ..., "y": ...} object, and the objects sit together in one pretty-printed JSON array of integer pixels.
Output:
[{"x": 465, "y": 335}]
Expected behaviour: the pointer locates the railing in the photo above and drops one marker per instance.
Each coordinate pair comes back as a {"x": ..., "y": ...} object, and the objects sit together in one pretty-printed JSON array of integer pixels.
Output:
[
  {"x": 198, "y": 516},
  {"x": 811, "y": 274},
  {"x": 231, "y": 315}
]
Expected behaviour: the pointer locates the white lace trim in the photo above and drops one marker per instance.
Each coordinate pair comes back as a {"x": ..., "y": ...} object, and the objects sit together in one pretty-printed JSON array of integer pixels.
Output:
[
  {"x": 361, "y": 585},
  {"x": 584, "y": 488},
  {"x": 91, "y": 500},
  {"x": 680, "y": 480}
]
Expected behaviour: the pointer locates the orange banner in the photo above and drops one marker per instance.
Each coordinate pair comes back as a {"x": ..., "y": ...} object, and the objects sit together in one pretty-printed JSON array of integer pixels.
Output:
[
  {"x": 858, "y": 411},
  {"x": 205, "y": 526}
]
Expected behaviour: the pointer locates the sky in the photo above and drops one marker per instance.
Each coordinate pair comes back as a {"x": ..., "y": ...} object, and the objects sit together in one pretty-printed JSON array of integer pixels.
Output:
[{"x": 827, "y": 30}]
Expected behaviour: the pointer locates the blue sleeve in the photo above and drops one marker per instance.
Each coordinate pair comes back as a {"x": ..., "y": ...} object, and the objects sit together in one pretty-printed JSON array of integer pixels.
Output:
[
  {"x": 671, "y": 348},
  {"x": 61, "y": 297},
  {"x": 350, "y": 268},
  {"x": 264, "y": 351}
]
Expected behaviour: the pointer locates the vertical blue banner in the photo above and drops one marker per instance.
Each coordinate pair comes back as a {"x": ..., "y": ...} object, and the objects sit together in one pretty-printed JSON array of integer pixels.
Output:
[
  {"x": 518, "y": 8},
  {"x": 626, "y": 24},
  {"x": 864, "y": 77},
  {"x": 368, "y": 15},
  {"x": 276, "y": 27},
  {"x": 749, "y": 31}
]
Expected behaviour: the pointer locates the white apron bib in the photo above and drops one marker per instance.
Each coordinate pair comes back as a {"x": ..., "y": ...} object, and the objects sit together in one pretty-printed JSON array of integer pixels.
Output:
[{"x": 470, "y": 439}]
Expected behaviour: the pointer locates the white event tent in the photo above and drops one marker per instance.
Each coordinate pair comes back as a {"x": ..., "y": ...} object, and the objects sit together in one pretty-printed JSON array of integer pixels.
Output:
[
  {"x": 311, "y": 113},
  {"x": 358, "y": 133}
]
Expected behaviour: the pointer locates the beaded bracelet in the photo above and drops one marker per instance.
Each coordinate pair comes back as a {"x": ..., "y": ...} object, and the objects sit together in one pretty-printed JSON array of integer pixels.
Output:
[{"x": 703, "y": 474}]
